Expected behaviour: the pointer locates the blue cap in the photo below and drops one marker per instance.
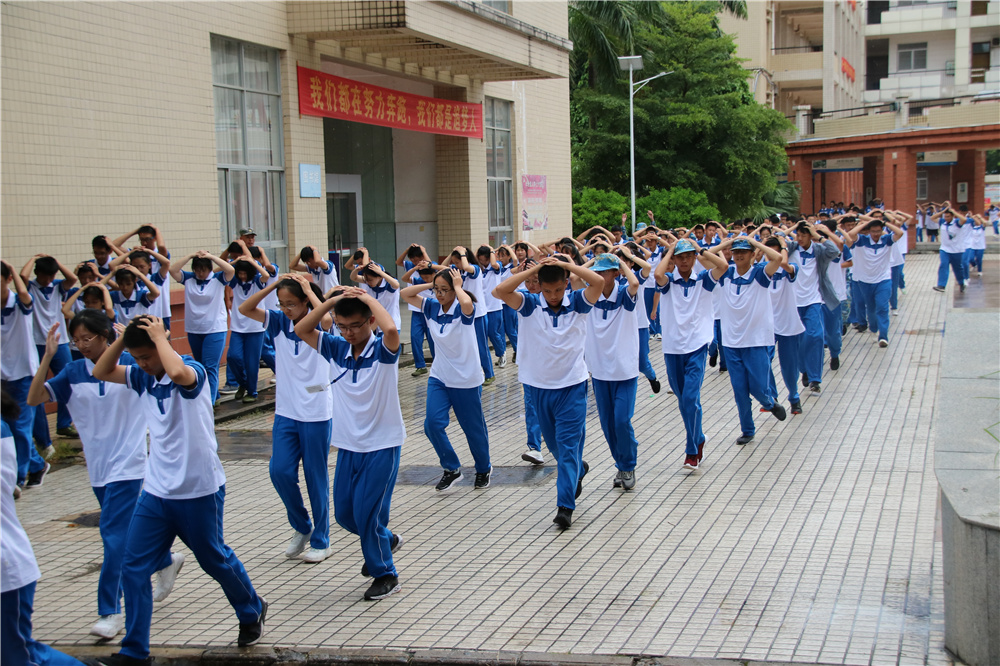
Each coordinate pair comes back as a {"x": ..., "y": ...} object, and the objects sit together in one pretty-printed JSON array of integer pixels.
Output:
[
  {"x": 741, "y": 244},
  {"x": 683, "y": 246},
  {"x": 605, "y": 262},
  {"x": 640, "y": 225}
]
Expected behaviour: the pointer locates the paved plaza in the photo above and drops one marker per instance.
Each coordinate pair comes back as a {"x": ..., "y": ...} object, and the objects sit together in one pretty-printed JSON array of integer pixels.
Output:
[{"x": 816, "y": 543}]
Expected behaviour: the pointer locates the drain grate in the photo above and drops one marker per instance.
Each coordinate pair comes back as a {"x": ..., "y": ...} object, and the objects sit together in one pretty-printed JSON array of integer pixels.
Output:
[{"x": 423, "y": 475}]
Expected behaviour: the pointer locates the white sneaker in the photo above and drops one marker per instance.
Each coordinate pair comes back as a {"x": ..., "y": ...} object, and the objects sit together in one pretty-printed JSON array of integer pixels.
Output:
[
  {"x": 297, "y": 544},
  {"x": 108, "y": 626},
  {"x": 315, "y": 555},
  {"x": 894, "y": 313},
  {"x": 502, "y": 361},
  {"x": 166, "y": 577},
  {"x": 47, "y": 454},
  {"x": 533, "y": 456},
  {"x": 272, "y": 381}
]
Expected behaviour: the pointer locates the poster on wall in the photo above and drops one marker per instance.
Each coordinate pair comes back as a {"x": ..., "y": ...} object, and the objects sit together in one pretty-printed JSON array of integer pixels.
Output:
[{"x": 534, "y": 203}]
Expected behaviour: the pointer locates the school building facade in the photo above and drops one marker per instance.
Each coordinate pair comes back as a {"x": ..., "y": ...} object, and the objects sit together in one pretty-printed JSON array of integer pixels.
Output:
[{"x": 336, "y": 124}]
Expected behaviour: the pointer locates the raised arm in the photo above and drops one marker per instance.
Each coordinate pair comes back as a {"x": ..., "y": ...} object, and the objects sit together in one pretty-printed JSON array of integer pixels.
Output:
[
  {"x": 412, "y": 295},
  {"x": 176, "y": 268},
  {"x": 629, "y": 275},
  {"x": 227, "y": 268},
  {"x": 393, "y": 282},
  {"x": 595, "y": 283},
  {"x": 506, "y": 291},
  {"x": 121, "y": 240},
  {"x": 773, "y": 257},
  {"x": 251, "y": 309},
  {"x": 154, "y": 291},
  {"x": 19, "y": 286},
  {"x": 107, "y": 369},
  {"x": 28, "y": 265},
  {"x": 661, "y": 268},
  {"x": 179, "y": 373},
  {"x": 37, "y": 394}
]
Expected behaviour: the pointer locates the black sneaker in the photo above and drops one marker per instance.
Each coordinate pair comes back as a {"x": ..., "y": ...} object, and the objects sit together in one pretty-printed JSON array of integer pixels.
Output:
[
  {"x": 394, "y": 543},
  {"x": 382, "y": 587},
  {"x": 815, "y": 388},
  {"x": 483, "y": 480},
  {"x": 940, "y": 289},
  {"x": 778, "y": 411},
  {"x": 961, "y": 288},
  {"x": 564, "y": 518},
  {"x": 721, "y": 370},
  {"x": 796, "y": 408},
  {"x": 35, "y": 479},
  {"x": 744, "y": 439},
  {"x": 712, "y": 360},
  {"x": 861, "y": 328},
  {"x": 655, "y": 385},
  {"x": 251, "y": 632},
  {"x": 579, "y": 483},
  {"x": 805, "y": 380},
  {"x": 835, "y": 363},
  {"x": 843, "y": 330},
  {"x": 116, "y": 659},
  {"x": 448, "y": 479}
]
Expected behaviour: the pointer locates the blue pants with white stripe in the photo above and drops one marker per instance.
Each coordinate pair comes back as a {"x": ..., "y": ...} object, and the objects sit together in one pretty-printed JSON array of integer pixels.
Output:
[
  {"x": 654, "y": 322},
  {"x": 494, "y": 331},
  {"x": 562, "y": 415},
  {"x": 362, "y": 496},
  {"x": 63, "y": 419},
  {"x": 17, "y": 647},
  {"x": 715, "y": 346},
  {"x": 615, "y": 408},
  {"x": 645, "y": 367},
  {"x": 243, "y": 359},
  {"x": 198, "y": 523},
  {"x": 788, "y": 360},
  {"x": 468, "y": 406},
  {"x": 117, "y": 500},
  {"x": 307, "y": 442},
  {"x": 972, "y": 258},
  {"x": 510, "y": 325},
  {"x": 857, "y": 312},
  {"x": 267, "y": 351},
  {"x": 954, "y": 260},
  {"x": 896, "y": 273},
  {"x": 876, "y": 306},
  {"x": 686, "y": 372},
  {"x": 418, "y": 332},
  {"x": 28, "y": 459},
  {"x": 833, "y": 325},
  {"x": 811, "y": 342},
  {"x": 484, "y": 351},
  {"x": 206, "y": 348},
  {"x": 751, "y": 376},
  {"x": 531, "y": 421}
]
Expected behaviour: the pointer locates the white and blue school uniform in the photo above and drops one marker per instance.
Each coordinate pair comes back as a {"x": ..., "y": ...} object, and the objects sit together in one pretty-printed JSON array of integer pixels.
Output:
[
  {"x": 369, "y": 436},
  {"x": 418, "y": 325},
  {"x": 473, "y": 283},
  {"x": 509, "y": 313},
  {"x": 715, "y": 347},
  {"x": 270, "y": 302},
  {"x": 494, "y": 311},
  {"x": 952, "y": 250},
  {"x": 109, "y": 418},
  {"x": 805, "y": 286},
  {"x": 455, "y": 382},
  {"x": 534, "y": 431},
  {"x": 748, "y": 335},
  {"x": 161, "y": 306},
  {"x": 642, "y": 321},
  {"x": 205, "y": 322},
  {"x": 246, "y": 338},
  {"x": 46, "y": 312},
  {"x": 993, "y": 214},
  {"x": 965, "y": 239},
  {"x": 788, "y": 329},
  {"x": 897, "y": 261},
  {"x": 325, "y": 276},
  {"x": 18, "y": 364},
  {"x": 833, "y": 320},
  {"x": 648, "y": 292},
  {"x": 105, "y": 268},
  {"x": 19, "y": 574},
  {"x": 977, "y": 247},
  {"x": 611, "y": 351},
  {"x": 388, "y": 298},
  {"x": 129, "y": 307},
  {"x": 552, "y": 368},
  {"x": 873, "y": 279},
  {"x": 183, "y": 496},
  {"x": 302, "y": 429},
  {"x": 687, "y": 317}
]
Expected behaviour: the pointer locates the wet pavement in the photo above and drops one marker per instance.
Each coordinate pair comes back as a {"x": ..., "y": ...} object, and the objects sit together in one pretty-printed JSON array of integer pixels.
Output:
[{"x": 817, "y": 543}]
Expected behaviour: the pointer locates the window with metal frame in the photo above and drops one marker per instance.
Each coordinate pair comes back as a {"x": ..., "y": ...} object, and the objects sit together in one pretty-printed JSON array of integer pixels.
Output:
[
  {"x": 249, "y": 143},
  {"x": 921, "y": 185},
  {"x": 912, "y": 57},
  {"x": 497, "y": 116}
]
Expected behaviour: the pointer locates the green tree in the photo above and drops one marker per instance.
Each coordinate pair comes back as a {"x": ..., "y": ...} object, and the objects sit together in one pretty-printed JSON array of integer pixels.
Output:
[
  {"x": 677, "y": 207},
  {"x": 597, "y": 207},
  {"x": 697, "y": 128}
]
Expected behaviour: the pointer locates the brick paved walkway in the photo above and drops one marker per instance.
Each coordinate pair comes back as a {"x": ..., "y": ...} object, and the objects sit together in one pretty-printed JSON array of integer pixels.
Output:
[{"x": 816, "y": 543}]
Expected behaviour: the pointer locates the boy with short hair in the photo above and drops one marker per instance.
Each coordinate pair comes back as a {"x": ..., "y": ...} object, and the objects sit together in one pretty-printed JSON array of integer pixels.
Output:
[
  {"x": 872, "y": 275},
  {"x": 419, "y": 270},
  {"x": 184, "y": 490},
  {"x": 323, "y": 272}
]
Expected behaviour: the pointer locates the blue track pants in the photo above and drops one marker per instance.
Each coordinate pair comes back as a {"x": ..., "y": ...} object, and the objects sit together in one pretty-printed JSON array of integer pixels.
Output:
[
  {"x": 562, "y": 415},
  {"x": 686, "y": 372},
  {"x": 468, "y": 406},
  {"x": 362, "y": 496},
  {"x": 615, "y": 407},
  {"x": 751, "y": 376},
  {"x": 307, "y": 442}
]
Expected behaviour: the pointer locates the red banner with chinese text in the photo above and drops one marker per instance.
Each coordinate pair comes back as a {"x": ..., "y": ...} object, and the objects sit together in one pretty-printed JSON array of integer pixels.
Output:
[
  {"x": 330, "y": 96},
  {"x": 847, "y": 68}
]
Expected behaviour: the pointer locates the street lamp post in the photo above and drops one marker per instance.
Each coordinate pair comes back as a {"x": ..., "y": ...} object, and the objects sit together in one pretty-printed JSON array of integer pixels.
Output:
[{"x": 632, "y": 64}]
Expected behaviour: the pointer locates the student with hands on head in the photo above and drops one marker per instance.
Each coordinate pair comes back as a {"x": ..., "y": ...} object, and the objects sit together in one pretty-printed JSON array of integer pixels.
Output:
[{"x": 872, "y": 274}]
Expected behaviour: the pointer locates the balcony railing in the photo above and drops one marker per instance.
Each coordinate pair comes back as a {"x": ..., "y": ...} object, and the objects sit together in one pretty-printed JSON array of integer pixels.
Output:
[{"x": 792, "y": 50}]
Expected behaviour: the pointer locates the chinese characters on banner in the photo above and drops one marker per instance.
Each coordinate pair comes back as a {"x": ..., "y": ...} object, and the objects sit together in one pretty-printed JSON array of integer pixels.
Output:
[
  {"x": 534, "y": 202},
  {"x": 331, "y": 96}
]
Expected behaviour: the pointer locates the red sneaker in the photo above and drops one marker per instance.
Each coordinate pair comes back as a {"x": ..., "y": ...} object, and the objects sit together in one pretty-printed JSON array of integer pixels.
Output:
[
  {"x": 691, "y": 462},
  {"x": 701, "y": 453}
]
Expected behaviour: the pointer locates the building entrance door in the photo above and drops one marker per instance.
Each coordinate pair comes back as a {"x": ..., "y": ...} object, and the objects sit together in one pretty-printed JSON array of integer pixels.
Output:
[{"x": 344, "y": 230}]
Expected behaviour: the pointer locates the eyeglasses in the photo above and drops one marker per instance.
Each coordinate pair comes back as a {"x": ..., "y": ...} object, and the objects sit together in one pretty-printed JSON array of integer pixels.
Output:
[
  {"x": 354, "y": 328},
  {"x": 439, "y": 290},
  {"x": 146, "y": 239},
  {"x": 84, "y": 340}
]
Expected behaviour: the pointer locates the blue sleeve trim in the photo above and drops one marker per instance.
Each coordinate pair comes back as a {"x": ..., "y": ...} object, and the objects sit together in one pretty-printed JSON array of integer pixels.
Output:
[{"x": 200, "y": 380}]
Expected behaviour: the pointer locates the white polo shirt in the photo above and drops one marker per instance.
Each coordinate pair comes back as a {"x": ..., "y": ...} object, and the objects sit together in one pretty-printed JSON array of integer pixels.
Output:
[
  {"x": 550, "y": 345},
  {"x": 426, "y": 293},
  {"x": 270, "y": 301},
  {"x": 807, "y": 277},
  {"x": 161, "y": 306},
  {"x": 325, "y": 276},
  {"x": 241, "y": 292},
  {"x": 491, "y": 278},
  {"x": 952, "y": 237},
  {"x": 611, "y": 349},
  {"x": 128, "y": 308},
  {"x": 303, "y": 377},
  {"x": 687, "y": 312},
  {"x": 205, "y": 303},
  {"x": 109, "y": 418},
  {"x": 456, "y": 365},
  {"x": 871, "y": 260},
  {"x": 366, "y": 410},
  {"x": 183, "y": 462},
  {"x": 18, "y": 566},
  {"x": 18, "y": 354},
  {"x": 747, "y": 318},
  {"x": 897, "y": 253},
  {"x": 473, "y": 283},
  {"x": 47, "y": 310},
  {"x": 387, "y": 297},
  {"x": 784, "y": 304},
  {"x": 641, "y": 318},
  {"x": 838, "y": 274},
  {"x": 977, "y": 238}
]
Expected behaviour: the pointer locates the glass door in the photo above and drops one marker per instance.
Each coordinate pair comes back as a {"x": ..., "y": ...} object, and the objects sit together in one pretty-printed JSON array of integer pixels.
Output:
[{"x": 343, "y": 220}]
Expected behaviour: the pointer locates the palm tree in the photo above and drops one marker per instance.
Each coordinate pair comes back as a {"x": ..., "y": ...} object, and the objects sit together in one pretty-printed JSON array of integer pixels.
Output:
[{"x": 603, "y": 30}]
